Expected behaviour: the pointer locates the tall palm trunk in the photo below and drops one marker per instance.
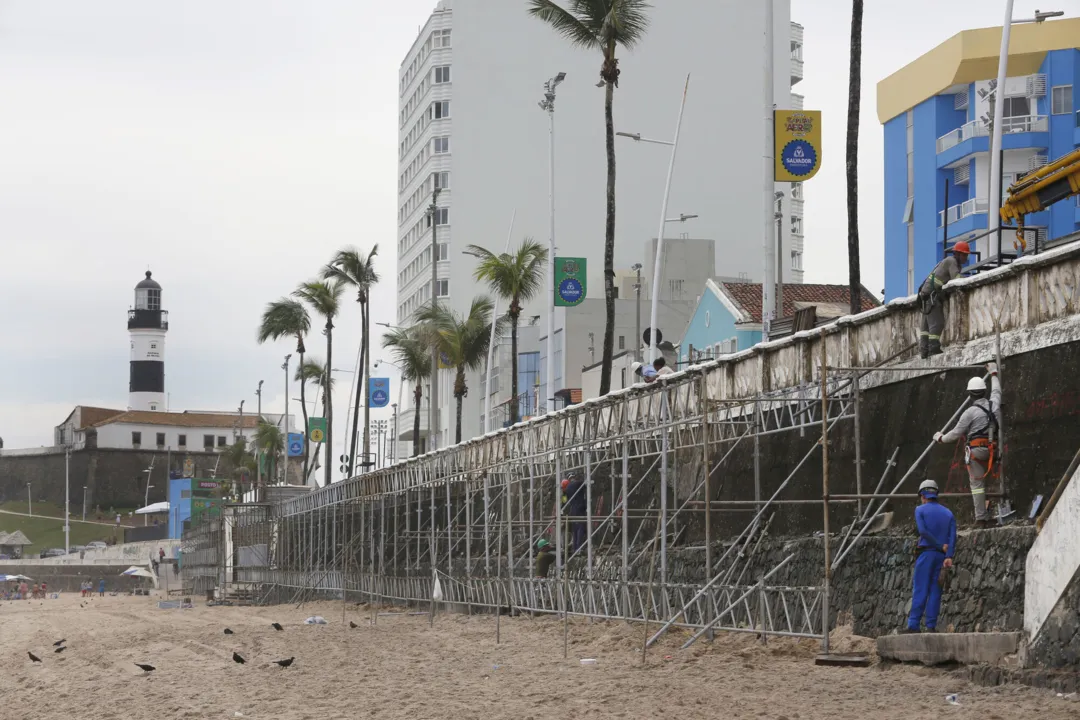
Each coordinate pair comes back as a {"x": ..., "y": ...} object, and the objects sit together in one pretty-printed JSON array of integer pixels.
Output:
[
  {"x": 359, "y": 389},
  {"x": 515, "y": 310},
  {"x": 418, "y": 396},
  {"x": 609, "y": 238},
  {"x": 854, "y": 100},
  {"x": 303, "y": 409},
  {"x": 328, "y": 401},
  {"x": 459, "y": 395},
  {"x": 365, "y": 368}
]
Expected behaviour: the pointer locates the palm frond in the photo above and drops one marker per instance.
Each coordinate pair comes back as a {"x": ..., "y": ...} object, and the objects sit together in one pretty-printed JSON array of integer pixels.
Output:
[
  {"x": 323, "y": 296},
  {"x": 573, "y": 27},
  {"x": 515, "y": 276},
  {"x": 411, "y": 351},
  {"x": 352, "y": 268},
  {"x": 464, "y": 340},
  {"x": 312, "y": 371},
  {"x": 284, "y": 318}
]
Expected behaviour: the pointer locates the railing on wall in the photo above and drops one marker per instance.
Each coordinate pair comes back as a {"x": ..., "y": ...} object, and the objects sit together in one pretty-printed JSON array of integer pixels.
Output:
[{"x": 977, "y": 128}]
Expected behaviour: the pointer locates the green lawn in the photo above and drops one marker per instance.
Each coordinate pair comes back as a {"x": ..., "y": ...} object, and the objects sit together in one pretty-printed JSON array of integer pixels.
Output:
[
  {"x": 48, "y": 509},
  {"x": 46, "y": 528}
]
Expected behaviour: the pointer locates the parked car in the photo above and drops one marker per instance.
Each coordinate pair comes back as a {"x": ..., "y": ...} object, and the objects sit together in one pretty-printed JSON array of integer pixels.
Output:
[
  {"x": 96, "y": 545},
  {"x": 53, "y": 552},
  {"x": 76, "y": 549}
]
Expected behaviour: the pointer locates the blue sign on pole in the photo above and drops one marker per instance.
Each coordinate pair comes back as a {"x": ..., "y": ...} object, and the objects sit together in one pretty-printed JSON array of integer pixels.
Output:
[
  {"x": 378, "y": 392},
  {"x": 799, "y": 157},
  {"x": 296, "y": 444}
]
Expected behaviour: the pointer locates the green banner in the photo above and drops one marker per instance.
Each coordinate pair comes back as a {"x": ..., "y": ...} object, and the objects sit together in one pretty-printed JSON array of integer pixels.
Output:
[
  {"x": 316, "y": 428},
  {"x": 570, "y": 284}
]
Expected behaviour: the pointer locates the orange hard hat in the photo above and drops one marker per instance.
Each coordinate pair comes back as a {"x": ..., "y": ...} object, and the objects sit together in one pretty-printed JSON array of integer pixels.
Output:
[
  {"x": 564, "y": 484},
  {"x": 961, "y": 247}
]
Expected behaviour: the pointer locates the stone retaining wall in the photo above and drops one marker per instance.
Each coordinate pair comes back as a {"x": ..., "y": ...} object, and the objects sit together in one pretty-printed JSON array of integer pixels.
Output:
[{"x": 67, "y": 578}]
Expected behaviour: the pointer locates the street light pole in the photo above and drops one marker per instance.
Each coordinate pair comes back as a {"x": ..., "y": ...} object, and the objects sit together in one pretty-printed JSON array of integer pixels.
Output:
[
  {"x": 285, "y": 424},
  {"x": 433, "y": 405},
  {"x": 29, "y": 503},
  {"x": 779, "y": 215},
  {"x": 393, "y": 440},
  {"x": 768, "y": 306},
  {"x": 548, "y": 106},
  {"x": 637, "y": 320},
  {"x": 258, "y": 450},
  {"x": 84, "y": 503}
]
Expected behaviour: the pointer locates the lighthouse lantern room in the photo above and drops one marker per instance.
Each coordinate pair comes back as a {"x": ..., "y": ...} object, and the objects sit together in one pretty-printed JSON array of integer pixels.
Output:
[{"x": 147, "y": 325}]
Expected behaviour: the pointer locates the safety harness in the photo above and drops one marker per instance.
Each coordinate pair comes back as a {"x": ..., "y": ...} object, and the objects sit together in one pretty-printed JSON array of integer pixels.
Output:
[{"x": 985, "y": 438}]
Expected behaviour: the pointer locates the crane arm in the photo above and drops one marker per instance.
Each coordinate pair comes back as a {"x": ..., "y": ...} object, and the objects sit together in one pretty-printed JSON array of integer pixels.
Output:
[{"x": 1040, "y": 189}]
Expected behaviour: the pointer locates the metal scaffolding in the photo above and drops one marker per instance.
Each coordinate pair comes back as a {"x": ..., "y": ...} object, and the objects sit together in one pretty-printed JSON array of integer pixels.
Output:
[{"x": 653, "y": 460}]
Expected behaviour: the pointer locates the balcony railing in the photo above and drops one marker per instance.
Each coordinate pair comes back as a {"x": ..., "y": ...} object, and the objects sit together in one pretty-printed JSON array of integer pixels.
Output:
[
  {"x": 796, "y": 70},
  {"x": 976, "y": 128},
  {"x": 975, "y": 206}
]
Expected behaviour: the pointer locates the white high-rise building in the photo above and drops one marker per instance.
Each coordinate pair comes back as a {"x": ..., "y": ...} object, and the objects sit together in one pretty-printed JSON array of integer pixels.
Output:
[{"x": 469, "y": 126}]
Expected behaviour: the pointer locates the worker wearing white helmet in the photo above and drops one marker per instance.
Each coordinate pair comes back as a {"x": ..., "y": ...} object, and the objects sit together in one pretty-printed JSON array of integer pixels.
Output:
[{"x": 979, "y": 426}]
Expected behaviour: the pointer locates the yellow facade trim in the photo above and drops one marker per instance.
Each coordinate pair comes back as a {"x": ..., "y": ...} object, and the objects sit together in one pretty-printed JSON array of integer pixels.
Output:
[{"x": 969, "y": 56}]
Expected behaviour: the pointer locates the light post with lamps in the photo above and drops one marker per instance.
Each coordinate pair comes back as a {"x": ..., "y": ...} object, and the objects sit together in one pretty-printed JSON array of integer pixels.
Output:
[
  {"x": 401, "y": 384},
  {"x": 994, "y": 204},
  {"x": 548, "y": 106},
  {"x": 350, "y": 462},
  {"x": 285, "y": 423},
  {"x": 67, "y": 498},
  {"x": 674, "y": 144},
  {"x": 29, "y": 503},
  {"x": 84, "y": 503},
  {"x": 636, "y": 267},
  {"x": 258, "y": 450}
]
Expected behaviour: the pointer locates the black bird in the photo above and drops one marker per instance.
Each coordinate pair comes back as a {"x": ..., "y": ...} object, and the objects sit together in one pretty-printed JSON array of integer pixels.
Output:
[
  {"x": 33, "y": 657},
  {"x": 59, "y": 649},
  {"x": 58, "y": 643},
  {"x": 276, "y": 626},
  {"x": 145, "y": 668},
  {"x": 228, "y": 631},
  {"x": 284, "y": 663},
  {"x": 353, "y": 625},
  {"x": 237, "y": 659}
]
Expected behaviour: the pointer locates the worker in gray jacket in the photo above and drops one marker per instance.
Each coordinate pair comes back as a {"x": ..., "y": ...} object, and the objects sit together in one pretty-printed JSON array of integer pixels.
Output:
[
  {"x": 932, "y": 299},
  {"x": 979, "y": 426}
]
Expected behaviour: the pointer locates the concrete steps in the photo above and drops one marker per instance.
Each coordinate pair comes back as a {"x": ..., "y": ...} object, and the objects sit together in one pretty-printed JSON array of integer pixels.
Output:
[{"x": 945, "y": 648}]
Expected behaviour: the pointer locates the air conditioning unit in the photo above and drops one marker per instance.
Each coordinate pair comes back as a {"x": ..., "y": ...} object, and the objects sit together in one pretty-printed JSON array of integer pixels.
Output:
[
  {"x": 1043, "y": 235},
  {"x": 1036, "y": 85},
  {"x": 960, "y": 101},
  {"x": 962, "y": 174}
]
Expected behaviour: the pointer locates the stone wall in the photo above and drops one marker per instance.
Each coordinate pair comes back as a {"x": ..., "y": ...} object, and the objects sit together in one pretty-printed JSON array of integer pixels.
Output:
[
  {"x": 67, "y": 578},
  {"x": 1058, "y": 643}
]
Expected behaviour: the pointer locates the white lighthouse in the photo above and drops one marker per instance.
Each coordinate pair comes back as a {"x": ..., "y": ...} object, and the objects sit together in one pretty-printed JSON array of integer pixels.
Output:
[{"x": 147, "y": 325}]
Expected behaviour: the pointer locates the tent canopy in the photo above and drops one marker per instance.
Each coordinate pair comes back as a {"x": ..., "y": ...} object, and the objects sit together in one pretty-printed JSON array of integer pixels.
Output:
[
  {"x": 14, "y": 539},
  {"x": 153, "y": 508},
  {"x": 10, "y": 578},
  {"x": 135, "y": 571}
]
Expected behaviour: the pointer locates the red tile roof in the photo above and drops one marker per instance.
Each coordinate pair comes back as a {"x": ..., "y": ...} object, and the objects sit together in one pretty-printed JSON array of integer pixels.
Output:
[
  {"x": 93, "y": 415},
  {"x": 196, "y": 420},
  {"x": 748, "y": 297}
]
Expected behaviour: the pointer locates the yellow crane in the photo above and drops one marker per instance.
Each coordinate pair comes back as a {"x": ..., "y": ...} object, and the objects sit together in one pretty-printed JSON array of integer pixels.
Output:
[{"x": 1040, "y": 189}]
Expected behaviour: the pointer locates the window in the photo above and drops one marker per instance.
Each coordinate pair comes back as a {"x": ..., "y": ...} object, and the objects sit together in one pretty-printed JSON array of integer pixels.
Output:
[
  {"x": 622, "y": 342},
  {"x": 796, "y": 260},
  {"x": 1017, "y": 107},
  {"x": 796, "y": 191},
  {"x": 221, "y": 441},
  {"x": 182, "y": 441},
  {"x": 796, "y": 225},
  {"x": 442, "y": 74},
  {"x": 623, "y": 381},
  {"x": 443, "y": 251},
  {"x": 909, "y": 211},
  {"x": 443, "y": 287},
  {"x": 675, "y": 288},
  {"x": 440, "y": 110},
  {"x": 161, "y": 439},
  {"x": 440, "y": 180},
  {"x": 440, "y": 38},
  {"x": 136, "y": 438},
  {"x": 442, "y": 216},
  {"x": 441, "y": 145},
  {"x": 153, "y": 346},
  {"x": 208, "y": 442},
  {"x": 1061, "y": 100}
]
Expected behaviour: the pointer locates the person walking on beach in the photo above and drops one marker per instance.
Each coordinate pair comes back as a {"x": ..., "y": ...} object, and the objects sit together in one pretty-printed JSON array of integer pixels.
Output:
[{"x": 101, "y": 587}]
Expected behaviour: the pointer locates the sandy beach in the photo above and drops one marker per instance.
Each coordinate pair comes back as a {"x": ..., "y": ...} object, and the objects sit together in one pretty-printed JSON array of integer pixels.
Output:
[{"x": 399, "y": 668}]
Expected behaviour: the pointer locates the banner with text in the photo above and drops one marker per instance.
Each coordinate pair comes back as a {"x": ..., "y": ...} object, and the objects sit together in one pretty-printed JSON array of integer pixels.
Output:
[
  {"x": 570, "y": 284},
  {"x": 797, "y": 135}
]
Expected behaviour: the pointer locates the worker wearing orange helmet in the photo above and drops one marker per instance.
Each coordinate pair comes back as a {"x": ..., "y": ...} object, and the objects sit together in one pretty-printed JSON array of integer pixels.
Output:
[{"x": 932, "y": 299}]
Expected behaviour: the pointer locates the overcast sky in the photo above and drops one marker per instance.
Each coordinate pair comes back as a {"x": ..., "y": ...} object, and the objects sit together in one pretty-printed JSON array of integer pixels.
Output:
[{"x": 231, "y": 146}]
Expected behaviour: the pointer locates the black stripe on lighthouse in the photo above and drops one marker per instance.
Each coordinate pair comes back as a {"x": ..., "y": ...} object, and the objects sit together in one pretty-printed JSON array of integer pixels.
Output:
[{"x": 147, "y": 376}]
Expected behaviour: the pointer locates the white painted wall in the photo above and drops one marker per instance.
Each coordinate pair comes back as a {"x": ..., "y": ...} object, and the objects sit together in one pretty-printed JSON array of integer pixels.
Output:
[
  {"x": 1053, "y": 560},
  {"x": 118, "y": 435}
]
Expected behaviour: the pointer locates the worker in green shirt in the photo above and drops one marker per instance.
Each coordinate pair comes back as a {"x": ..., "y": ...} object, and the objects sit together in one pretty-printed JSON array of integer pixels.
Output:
[{"x": 545, "y": 557}]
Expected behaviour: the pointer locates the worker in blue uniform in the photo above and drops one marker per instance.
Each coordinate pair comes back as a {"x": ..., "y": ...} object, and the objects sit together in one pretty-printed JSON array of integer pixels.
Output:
[{"x": 937, "y": 543}]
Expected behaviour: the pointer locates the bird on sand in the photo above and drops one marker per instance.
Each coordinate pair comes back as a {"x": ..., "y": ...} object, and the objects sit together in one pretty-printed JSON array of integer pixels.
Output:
[
  {"x": 145, "y": 668},
  {"x": 284, "y": 663},
  {"x": 58, "y": 643},
  {"x": 33, "y": 657},
  {"x": 276, "y": 626},
  {"x": 59, "y": 649},
  {"x": 353, "y": 625},
  {"x": 237, "y": 659},
  {"x": 228, "y": 631}
]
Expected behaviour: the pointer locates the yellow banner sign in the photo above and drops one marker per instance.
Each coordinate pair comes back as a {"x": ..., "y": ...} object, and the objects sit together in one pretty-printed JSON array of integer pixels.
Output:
[{"x": 797, "y": 144}]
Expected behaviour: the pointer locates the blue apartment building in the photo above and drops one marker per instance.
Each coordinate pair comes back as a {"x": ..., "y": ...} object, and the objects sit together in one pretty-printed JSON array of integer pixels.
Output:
[{"x": 935, "y": 113}]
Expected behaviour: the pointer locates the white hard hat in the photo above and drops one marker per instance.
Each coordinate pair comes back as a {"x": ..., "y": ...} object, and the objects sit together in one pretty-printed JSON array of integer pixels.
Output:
[
  {"x": 976, "y": 383},
  {"x": 928, "y": 485},
  {"x": 635, "y": 366}
]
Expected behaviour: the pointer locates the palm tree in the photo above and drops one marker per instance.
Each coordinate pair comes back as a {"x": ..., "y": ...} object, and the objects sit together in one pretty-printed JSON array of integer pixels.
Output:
[
  {"x": 412, "y": 354},
  {"x": 313, "y": 371},
  {"x": 464, "y": 341},
  {"x": 351, "y": 268},
  {"x": 603, "y": 25},
  {"x": 325, "y": 299},
  {"x": 287, "y": 317},
  {"x": 240, "y": 459},
  {"x": 514, "y": 277},
  {"x": 854, "y": 99},
  {"x": 271, "y": 443}
]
